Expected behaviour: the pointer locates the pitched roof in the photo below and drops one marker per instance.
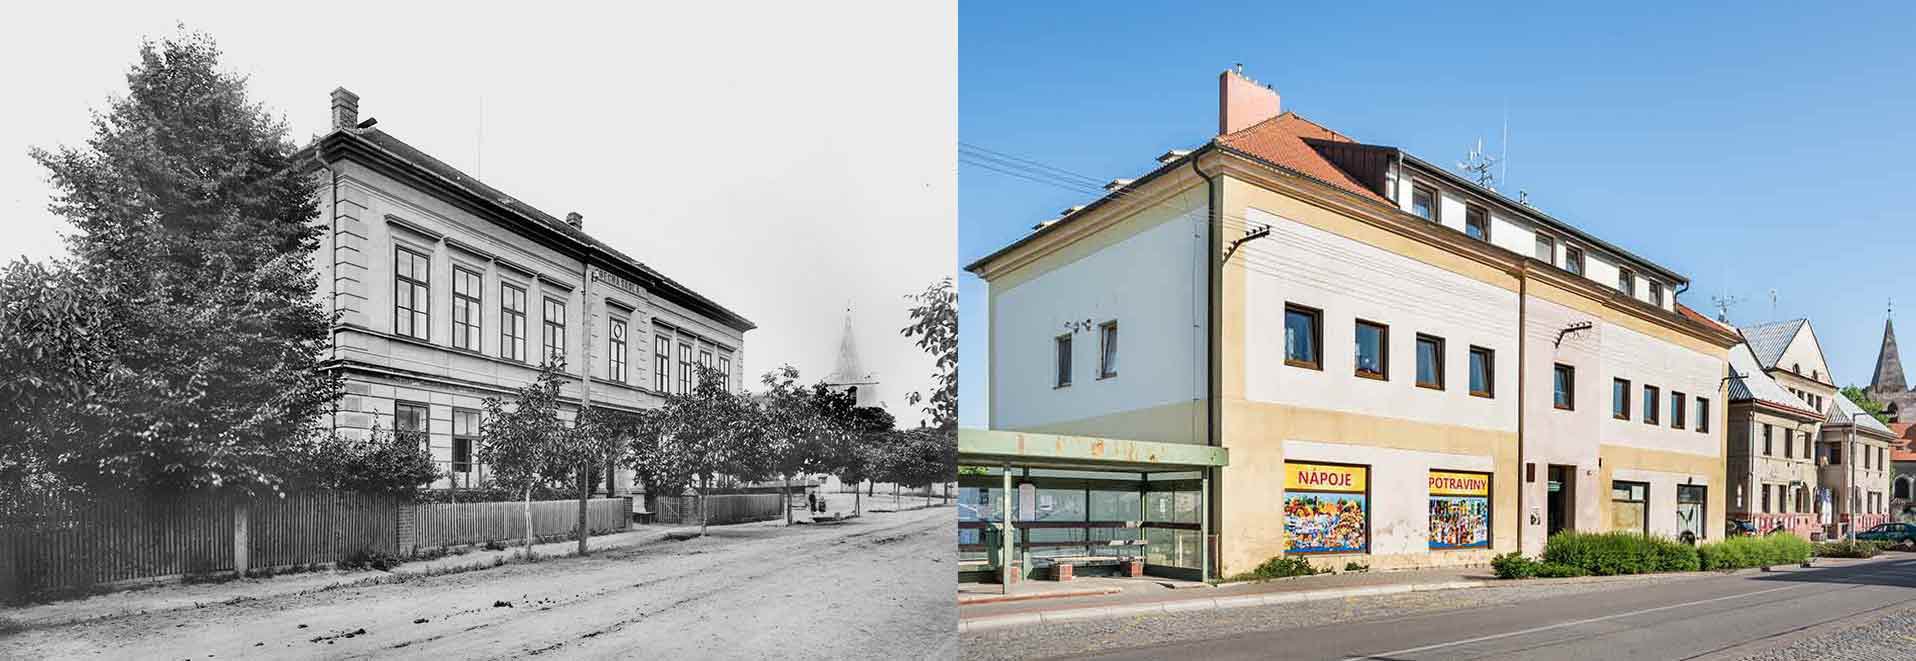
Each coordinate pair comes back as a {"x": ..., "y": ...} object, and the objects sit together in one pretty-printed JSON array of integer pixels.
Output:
[
  {"x": 1768, "y": 341},
  {"x": 1280, "y": 141},
  {"x": 1755, "y": 385},
  {"x": 1904, "y": 449},
  {"x": 670, "y": 289},
  {"x": 1889, "y": 364},
  {"x": 1844, "y": 410},
  {"x": 1693, "y": 315}
]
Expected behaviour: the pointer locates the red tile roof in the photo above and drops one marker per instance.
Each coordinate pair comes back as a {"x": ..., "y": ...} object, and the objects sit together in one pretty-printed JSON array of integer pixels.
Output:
[
  {"x": 1904, "y": 448},
  {"x": 1693, "y": 315},
  {"x": 1280, "y": 141}
]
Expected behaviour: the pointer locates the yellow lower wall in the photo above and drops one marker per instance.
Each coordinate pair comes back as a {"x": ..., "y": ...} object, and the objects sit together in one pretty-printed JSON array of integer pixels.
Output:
[
  {"x": 1252, "y": 486},
  {"x": 1618, "y": 457}
]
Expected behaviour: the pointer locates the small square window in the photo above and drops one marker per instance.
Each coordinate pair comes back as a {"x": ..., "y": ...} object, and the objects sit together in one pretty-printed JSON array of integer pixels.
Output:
[
  {"x": 1652, "y": 400},
  {"x": 1627, "y": 282},
  {"x": 1703, "y": 422},
  {"x": 1477, "y": 223},
  {"x": 1677, "y": 414},
  {"x": 1546, "y": 250},
  {"x": 1430, "y": 362},
  {"x": 1482, "y": 372},
  {"x": 1656, "y": 294},
  {"x": 1566, "y": 387},
  {"x": 1373, "y": 350},
  {"x": 1303, "y": 335},
  {"x": 1620, "y": 399},
  {"x": 1573, "y": 259},
  {"x": 1423, "y": 202}
]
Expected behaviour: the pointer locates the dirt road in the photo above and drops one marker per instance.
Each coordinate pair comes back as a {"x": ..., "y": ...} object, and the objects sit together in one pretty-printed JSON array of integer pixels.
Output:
[{"x": 877, "y": 586}]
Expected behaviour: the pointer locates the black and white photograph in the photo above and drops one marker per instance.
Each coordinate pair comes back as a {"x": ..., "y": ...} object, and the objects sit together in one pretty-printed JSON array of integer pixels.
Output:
[{"x": 478, "y": 330}]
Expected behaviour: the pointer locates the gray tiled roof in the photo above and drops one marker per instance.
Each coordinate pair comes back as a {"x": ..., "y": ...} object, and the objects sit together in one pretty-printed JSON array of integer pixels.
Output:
[
  {"x": 1845, "y": 410},
  {"x": 1769, "y": 340},
  {"x": 1757, "y": 385}
]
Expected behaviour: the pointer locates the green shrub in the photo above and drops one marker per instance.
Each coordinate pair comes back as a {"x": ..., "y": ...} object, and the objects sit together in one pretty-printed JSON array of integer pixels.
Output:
[
  {"x": 1848, "y": 549},
  {"x": 1513, "y": 565},
  {"x": 1742, "y": 552},
  {"x": 1559, "y": 570},
  {"x": 1614, "y": 553},
  {"x": 1356, "y": 567},
  {"x": 1278, "y": 567}
]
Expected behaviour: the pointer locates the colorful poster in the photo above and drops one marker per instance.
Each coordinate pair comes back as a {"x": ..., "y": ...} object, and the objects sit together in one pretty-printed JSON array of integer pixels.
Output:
[
  {"x": 1326, "y": 508},
  {"x": 1459, "y": 510}
]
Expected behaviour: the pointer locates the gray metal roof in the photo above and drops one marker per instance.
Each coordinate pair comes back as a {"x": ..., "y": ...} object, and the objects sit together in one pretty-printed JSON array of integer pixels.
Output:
[
  {"x": 1844, "y": 411},
  {"x": 1755, "y": 385},
  {"x": 1768, "y": 341}
]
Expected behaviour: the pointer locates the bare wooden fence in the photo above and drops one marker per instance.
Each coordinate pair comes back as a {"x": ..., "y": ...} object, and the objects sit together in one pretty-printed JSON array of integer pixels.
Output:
[
  {"x": 319, "y": 527},
  {"x": 448, "y": 524},
  {"x": 731, "y": 508}
]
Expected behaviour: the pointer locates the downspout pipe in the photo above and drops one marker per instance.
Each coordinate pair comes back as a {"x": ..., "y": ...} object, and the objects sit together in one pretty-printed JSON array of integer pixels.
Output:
[{"x": 1213, "y": 409}]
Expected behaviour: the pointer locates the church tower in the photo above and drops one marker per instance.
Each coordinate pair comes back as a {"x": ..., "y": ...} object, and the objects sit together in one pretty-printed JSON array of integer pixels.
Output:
[
  {"x": 1889, "y": 366},
  {"x": 848, "y": 373}
]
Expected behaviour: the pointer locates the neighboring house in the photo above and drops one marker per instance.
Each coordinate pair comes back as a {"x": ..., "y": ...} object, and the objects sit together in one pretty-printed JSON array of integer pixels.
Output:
[
  {"x": 1902, "y": 467},
  {"x": 1349, "y": 322},
  {"x": 1854, "y": 456},
  {"x": 1771, "y": 467},
  {"x": 450, "y": 291}
]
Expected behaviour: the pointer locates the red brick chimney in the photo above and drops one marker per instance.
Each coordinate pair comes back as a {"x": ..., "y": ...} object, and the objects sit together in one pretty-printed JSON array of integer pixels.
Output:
[
  {"x": 1242, "y": 102},
  {"x": 345, "y": 109}
]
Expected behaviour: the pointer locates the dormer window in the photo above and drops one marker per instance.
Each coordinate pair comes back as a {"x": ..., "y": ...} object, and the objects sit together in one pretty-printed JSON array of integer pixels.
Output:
[
  {"x": 1627, "y": 282},
  {"x": 1423, "y": 202},
  {"x": 1546, "y": 250},
  {"x": 1656, "y": 293},
  {"x": 1477, "y": 223},
  {"x": 1573, "y": 259}
]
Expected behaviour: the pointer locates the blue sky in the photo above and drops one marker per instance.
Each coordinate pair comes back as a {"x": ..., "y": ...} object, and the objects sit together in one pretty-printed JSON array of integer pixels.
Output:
[{"x": 1765, "y": 149}]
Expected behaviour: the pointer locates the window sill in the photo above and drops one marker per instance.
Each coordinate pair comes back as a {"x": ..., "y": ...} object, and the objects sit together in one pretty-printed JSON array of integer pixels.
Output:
[
  {"x": 1561, "y": 407},
  {"x": 1061, "y": 386},
  {"x": 1485, "y": 395},
  {"x": 1372, "y": 376},
  {"x": 1112, "y": 375},
  {"x": 1431, "y": 386},
  {"x": 1625, "y": 417},
  {"x": 1305, "y": 365}
]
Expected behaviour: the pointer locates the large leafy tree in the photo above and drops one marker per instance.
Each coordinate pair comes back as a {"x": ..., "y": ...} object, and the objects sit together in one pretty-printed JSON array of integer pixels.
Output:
[
  {"x": 1864, "y": 401},
  {"x": 934, "y": 324},
  {"x": 695, "y": 437},
  {"x": 196, "y": 229}
]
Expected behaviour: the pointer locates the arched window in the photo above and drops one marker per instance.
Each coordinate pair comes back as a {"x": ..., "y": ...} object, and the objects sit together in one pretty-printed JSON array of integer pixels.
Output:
[
  {"x": 1890, "y": 411},
  {"x": 1796, "y": 367},
  {"x": 1901, "y": 488}
]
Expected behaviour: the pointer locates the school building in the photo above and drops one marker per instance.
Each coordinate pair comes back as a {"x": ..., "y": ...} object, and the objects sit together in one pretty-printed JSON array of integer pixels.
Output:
[{"x": 1401, "y": 367}]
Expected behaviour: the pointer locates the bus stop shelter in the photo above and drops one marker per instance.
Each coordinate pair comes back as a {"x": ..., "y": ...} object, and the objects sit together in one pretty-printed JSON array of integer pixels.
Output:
[{"x": 1029, "y": 502}]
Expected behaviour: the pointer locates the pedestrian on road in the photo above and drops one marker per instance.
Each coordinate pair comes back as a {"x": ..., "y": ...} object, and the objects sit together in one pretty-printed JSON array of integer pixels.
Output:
[{"x": 811, "y": 502}]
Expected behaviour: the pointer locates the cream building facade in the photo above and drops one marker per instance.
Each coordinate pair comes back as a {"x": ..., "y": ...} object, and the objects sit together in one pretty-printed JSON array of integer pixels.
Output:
[
  {"x": 1407, "y": 369},
  {"x": 1774, "y": 480},
  {"x": 449, "y": 292}
]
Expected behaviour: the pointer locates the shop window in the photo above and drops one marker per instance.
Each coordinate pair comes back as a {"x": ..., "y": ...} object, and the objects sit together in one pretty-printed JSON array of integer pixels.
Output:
[
  {"x": 1630, "y": 506},
  {"x": 1326, "y": 508},
  {"x": 1459, "y": 510}
]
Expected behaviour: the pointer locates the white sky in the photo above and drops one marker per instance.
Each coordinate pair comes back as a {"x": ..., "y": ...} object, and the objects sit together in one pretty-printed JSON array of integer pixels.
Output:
[{"x": 782, "y": 159}]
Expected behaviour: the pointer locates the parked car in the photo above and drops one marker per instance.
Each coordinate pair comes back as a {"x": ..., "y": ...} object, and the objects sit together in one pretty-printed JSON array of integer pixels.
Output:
[
  {"x": 1900, "y": 534},
  {"x": 1739, "y": 528}
]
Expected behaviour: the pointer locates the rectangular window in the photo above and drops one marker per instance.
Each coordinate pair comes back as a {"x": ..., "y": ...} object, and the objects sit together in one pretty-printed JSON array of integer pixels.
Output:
[
  {"x": 1303, "y": 334},
  {"x": 1630, "y": 506},
  {"x": 1430, "y": 361},
  {"x": 1866, "y": 456},
  {"x": 1766, "y": 498},
  {"x": 1789, "y": 446},
  {"x": 1836, "y": 454},
  {"x": 1108, "y": 350},
  {"x": 412, "y": 297},
  {"x": 1651, "y": 400},
  {"x": 512, "y": 322},
  {"x": 1627, "y": 282},
  {"x": 1620, "y": 399},
  {"x": 705, "y": 363},
  {"x": 409, "y": 417},
  {"x": 1566, "y": 387},
  {"x": 685, "y": 368},
  {"x": 465, "y": 432},
  {"x": 1061, "y": 366},
  {"x": 1767, "y": 449},
  {"x": 725, "y": 368},
  {"x": 1678, "y": 414},
  {"x": 661, "y": 361},
  {"x": 1373, "y": 350},
  {"x": 1423, "y": 202},
  {"x": 1703, "y": 420},
  {"x": 1482, "y": 372},
  {"x": 554, "y": 330},
  {"x": 1692, "y": 506},
  {"x": 615, "y": 350},
  {"x": 465, "y": 308},
  {"x": 1656, "y": 293},
  {"x": 1546, "y": 250},
  {"x": 1326, "y": 508},
  {"x": 1573, "y": 259},
  {"x": 1477, "y": 223},
  {"x": 1459, "y": 510}
]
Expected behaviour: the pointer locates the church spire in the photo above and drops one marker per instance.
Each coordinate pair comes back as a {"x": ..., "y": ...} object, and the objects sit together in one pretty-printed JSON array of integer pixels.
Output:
[{"x": 1889, "y": 366}]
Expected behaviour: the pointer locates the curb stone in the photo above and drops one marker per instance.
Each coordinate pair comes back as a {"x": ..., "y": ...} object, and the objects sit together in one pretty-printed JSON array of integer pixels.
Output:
[{"x": 1200, "y": 604}]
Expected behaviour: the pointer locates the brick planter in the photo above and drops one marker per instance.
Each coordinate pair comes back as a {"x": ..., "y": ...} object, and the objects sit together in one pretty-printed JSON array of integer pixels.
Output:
[
  {"x": 1061, "y": 571},
  {"x": 1134, "y": 568}
]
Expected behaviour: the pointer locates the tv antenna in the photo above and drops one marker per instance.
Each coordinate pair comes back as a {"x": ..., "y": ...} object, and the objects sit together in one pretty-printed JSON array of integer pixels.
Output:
[
  {"x": 1478, "y": 166},
  {"x": 1772, "y": 303},
  {"x": 1722, "y": 305}
]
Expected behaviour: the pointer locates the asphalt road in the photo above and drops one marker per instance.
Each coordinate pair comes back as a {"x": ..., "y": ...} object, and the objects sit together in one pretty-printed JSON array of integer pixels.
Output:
[{"x": 1716, "y": 617}]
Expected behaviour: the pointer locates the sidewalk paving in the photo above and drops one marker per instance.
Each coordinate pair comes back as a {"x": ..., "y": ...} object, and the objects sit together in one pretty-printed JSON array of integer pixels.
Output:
[
  {"x": 1145, "y": 597},
  {"x": 174, "y": 595}
]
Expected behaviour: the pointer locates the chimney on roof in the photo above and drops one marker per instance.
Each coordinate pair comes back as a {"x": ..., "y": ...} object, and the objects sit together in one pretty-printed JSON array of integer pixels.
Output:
[
  {"x": 575, "y": 220},
  {"x": 345, "y": 109},
  {"x": 1242, "y": 102}
]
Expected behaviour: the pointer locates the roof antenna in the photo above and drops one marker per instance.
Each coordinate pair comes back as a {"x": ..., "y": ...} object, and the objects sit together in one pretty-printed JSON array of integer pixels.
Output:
[
  {"x": 1772, "y": 304},
  {"x": 1478, "y": 166},
  {"x": 1722, "y": 304}
]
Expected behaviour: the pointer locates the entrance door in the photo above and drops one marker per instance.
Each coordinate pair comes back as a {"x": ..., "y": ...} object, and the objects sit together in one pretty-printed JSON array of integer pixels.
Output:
[{"x": 1561, "y": 502}]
